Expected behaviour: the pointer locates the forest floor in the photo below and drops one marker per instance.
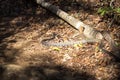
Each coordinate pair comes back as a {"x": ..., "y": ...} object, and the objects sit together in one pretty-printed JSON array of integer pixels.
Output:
[{"x": 23, "y": 57}]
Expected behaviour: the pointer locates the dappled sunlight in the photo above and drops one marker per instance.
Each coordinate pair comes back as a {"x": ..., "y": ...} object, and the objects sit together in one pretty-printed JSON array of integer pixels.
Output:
[{"x": 25, "y": 24}]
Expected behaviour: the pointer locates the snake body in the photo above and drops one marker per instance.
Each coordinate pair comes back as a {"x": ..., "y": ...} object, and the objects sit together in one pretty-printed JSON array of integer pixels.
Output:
[
  {"x": 67, "y": 43},
  {"x": 47, "y": 42},
  {"x": 106, "y": 36},
  {"x": 93, "y": 38}
]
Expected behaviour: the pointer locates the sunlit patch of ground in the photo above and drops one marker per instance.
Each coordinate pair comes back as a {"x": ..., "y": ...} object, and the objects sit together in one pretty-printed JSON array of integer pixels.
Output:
[{"x": 23, "y": 57}]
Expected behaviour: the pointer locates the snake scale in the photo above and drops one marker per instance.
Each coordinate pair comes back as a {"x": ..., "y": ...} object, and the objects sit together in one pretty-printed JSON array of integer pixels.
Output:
[
  {"x": 47, "y": 42},
  {"x": 95, "y": 34}
]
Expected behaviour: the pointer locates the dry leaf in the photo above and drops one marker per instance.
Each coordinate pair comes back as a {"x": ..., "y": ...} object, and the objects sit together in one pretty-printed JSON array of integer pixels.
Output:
[{"x": 56, "y": 48}]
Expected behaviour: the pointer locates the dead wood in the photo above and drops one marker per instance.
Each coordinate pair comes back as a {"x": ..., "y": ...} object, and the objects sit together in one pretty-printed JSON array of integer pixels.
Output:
[{"x": 87, "y": 30}]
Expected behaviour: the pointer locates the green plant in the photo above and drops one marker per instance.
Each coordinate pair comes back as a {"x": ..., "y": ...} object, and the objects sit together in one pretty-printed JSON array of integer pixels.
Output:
[{"x": 108, "y": 10}]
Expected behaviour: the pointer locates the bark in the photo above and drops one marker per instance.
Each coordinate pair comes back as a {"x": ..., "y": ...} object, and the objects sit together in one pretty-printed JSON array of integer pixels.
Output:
[{"x": 88, "y": 31}]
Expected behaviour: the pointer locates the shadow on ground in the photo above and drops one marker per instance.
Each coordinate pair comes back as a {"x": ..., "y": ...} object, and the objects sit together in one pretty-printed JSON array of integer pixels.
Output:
[
  {"x": 18, "y": 17},
  {"x": 42, "y": 72}
]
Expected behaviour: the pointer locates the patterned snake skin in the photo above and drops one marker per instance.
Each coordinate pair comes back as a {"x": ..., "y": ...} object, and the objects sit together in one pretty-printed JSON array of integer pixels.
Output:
[{"x": 47, "y": 42}]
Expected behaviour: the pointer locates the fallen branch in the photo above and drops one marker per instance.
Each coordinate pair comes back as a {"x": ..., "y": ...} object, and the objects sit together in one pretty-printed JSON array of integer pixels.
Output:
[{"x": 87, "y": 31}]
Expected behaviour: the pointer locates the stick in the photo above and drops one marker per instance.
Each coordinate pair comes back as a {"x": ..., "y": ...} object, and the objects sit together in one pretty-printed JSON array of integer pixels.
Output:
[{"x": 88, "y": 31}]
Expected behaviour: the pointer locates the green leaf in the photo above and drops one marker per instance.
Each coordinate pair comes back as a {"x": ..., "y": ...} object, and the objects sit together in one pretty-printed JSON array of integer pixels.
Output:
[
  {"x": 105, "y": 10},
  {"x": 102, "y": 11},
  {"x": 117, "y": 10}
]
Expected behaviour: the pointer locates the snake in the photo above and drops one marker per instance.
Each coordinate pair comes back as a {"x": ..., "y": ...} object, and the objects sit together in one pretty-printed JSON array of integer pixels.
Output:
[{"x": 106, "y": 36}]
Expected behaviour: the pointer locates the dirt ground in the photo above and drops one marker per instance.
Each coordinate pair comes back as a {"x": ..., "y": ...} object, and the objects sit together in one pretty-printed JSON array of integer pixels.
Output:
[{"x": 23, "y": 57}]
